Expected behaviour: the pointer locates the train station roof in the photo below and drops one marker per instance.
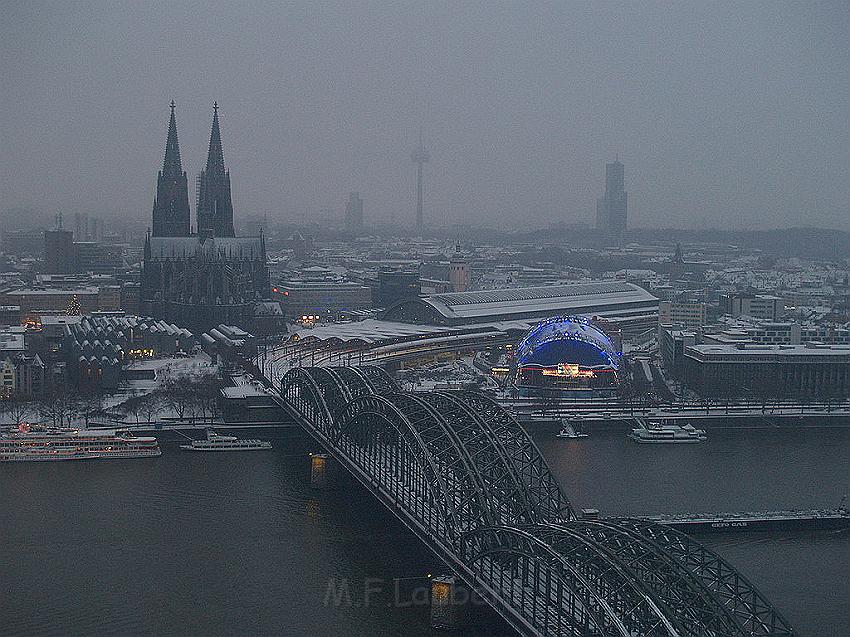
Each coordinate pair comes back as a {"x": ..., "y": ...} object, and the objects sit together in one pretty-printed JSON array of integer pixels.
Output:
[{"x": 606, "y": 298}]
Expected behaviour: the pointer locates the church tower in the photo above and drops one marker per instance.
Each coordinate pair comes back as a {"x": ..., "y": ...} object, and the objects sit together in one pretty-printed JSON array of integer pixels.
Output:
[
  {"x": 215, "y": 208},
  {"x": 171, "y": 206}
]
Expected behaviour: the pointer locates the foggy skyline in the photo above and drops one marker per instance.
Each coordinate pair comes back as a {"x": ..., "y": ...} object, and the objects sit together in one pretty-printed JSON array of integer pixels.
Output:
[{"x": 724, "y": 114}]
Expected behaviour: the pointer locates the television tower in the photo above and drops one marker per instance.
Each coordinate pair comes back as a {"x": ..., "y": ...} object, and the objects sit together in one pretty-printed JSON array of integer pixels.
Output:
[{"x": 419, "y": 156}]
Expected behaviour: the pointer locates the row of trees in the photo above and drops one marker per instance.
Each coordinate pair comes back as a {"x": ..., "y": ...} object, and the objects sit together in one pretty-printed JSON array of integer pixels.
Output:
[
  {"x": 59, "y": 408},
  {"x": 185, "y": 398}
]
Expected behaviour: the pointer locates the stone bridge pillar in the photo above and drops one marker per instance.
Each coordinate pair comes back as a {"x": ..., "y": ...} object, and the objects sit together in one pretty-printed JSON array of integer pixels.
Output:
[{"x": 320, "y": 469}]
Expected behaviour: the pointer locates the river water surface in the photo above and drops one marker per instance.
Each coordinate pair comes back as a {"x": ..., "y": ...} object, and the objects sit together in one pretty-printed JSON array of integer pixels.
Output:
[{"x": 238, "y": 544}]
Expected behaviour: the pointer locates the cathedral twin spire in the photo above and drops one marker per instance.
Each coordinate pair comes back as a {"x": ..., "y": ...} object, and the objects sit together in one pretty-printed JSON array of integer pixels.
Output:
[
  {"x": 215, "y": 206},
  {"x": 171, "y": 165},
  {"x": 214, "y": 203}
]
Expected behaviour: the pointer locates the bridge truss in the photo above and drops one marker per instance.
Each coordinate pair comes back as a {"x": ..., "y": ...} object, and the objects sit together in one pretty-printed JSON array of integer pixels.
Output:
[{"x": 464, "y": 477}]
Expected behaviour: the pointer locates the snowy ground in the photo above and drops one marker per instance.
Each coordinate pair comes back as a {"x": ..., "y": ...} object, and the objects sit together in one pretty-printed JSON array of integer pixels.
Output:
[{"x": 163, "y": 368}]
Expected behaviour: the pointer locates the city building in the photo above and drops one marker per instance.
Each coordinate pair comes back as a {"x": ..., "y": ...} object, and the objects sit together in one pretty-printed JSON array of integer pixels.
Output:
[
  {"x": 202, "y": 281},
  {"x": 671, "y": 346},
  {"x": 629, "y": 307},
  {"x": 23, "y": 242},
  {"x": 96, "y": 257},
  {"x": 777, "y": 333},
  {"x": 96, "y": 349},
  {"x": 567, "y": 353},
  {"x": 759, "y": 306},
  {"x": 692, "y": 314},
  {"x": 612, "y": 208},
  {"x": 59, "y": 251},
  {"x": 354, "y": 213},
  {"x": 209, "y": 278},
  {"x": 228, "y": 341},
  {"x": 394, "y": 286},
  {"x": 10, "y": 314},
  {"x": 761, "y": 371},
  {"x": 324, "y": 300},
  {"x": 30, "y": 375},
  {"x": 55, "y": 300}
]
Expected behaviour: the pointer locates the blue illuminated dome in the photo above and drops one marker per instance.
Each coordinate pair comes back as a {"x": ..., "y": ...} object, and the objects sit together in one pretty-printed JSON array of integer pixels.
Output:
[{"x": 567, "y": 340}]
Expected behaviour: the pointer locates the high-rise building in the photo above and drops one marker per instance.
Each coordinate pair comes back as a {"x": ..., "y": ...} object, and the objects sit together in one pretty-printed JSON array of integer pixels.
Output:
[
  {"x": 612, "y": 208},
  {"x": 215, "y": 206},
  {"x": 420, "y": 157},
  {"x": 354, "y": 212},
  {"x": 58, "y": 251},
  {"x": 171, "y": 206}
]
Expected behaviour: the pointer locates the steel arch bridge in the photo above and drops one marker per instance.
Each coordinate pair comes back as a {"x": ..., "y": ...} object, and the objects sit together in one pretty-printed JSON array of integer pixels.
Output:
[{"x": 464, "y": 477}]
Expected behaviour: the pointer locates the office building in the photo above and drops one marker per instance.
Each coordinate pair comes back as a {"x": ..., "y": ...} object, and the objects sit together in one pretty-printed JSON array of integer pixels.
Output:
[
  {"x": 354, "y": 213},
  {"x": 612, "y": 208}
]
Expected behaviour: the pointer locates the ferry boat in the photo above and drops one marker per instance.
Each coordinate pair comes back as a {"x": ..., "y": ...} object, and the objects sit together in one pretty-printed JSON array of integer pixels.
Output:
[
  {"x": 571, "y": 430},
  {"x": 654, "y": 432},
  {"x": 30, "y": 444},
  {"x": 217, "y": 442}
]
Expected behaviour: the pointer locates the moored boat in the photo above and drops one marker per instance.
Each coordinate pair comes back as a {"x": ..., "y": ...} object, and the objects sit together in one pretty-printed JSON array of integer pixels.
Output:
[
  {"x": 33, "y": 444},
  {"x": 793, "y": 520},
  {"x": 218, "y": 442},
  {"x": 655, "y": 432}
]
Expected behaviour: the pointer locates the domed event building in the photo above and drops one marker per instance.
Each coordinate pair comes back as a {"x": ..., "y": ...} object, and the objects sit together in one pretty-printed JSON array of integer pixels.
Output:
[{"x": 567, "y": 353}]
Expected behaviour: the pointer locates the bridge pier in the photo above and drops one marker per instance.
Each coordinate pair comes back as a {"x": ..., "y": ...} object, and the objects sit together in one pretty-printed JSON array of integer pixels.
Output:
[
  {"x": 449, "y": 601},
  {"x": 320, "y": 468}
]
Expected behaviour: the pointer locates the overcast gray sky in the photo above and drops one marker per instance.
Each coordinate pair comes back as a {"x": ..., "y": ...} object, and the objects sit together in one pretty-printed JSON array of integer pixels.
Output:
[{"x": 732, "y": 114}]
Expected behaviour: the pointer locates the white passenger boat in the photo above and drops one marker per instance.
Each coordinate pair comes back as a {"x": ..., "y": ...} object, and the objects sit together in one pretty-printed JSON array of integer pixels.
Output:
[
  {"x": 32, "y": 444},
  {"x": 654, "y": 432},
  {"x": 217, "y": 442}
]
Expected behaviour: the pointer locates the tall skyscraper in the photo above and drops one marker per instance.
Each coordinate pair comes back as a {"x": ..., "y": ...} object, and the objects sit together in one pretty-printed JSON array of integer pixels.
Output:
[
  {"x": 215, "y": 207},
  {"x": 420, "y": 157},
  {"x": 354, "y": 212},
  {"x": 612, "y": 208},
  {"x": 171, "y": 206}
]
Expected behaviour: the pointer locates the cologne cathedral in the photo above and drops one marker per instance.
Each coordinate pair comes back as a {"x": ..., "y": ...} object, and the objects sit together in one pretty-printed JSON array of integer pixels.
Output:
[{"x": 210, "y": 276}]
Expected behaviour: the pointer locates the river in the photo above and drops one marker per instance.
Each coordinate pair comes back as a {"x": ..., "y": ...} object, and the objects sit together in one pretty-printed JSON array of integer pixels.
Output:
[{"x": 227, "y": 544}]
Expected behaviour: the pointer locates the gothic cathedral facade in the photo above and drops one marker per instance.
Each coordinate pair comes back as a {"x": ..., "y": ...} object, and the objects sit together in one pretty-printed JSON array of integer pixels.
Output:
[{"x": 204, "y": 278}]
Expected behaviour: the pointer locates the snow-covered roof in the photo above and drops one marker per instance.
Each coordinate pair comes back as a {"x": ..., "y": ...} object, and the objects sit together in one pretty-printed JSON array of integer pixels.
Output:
[{"x": 576, "y": 298}]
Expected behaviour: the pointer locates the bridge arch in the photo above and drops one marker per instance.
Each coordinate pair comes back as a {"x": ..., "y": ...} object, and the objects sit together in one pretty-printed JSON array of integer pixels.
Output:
[
  {"x": 543, "y": 490},
  {"x": 729, "y": 589},
  {"x": 450, "y": 480},
  {"x": 468, "y": 479},
  {"x": 586, "y": 592}
]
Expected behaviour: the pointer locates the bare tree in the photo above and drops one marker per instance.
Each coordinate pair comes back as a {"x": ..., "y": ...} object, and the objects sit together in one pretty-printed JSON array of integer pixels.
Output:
[
  {"x": 57, "y": 407},
  {"x": 89, "y": 404},
  {"x": 132, "y": 407},
  {"x": 204, "y": 390},
  {"x": 16, "y": 409},
  {"x": 150, "y": 405},
  {"x": 178, "y": 396}
]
